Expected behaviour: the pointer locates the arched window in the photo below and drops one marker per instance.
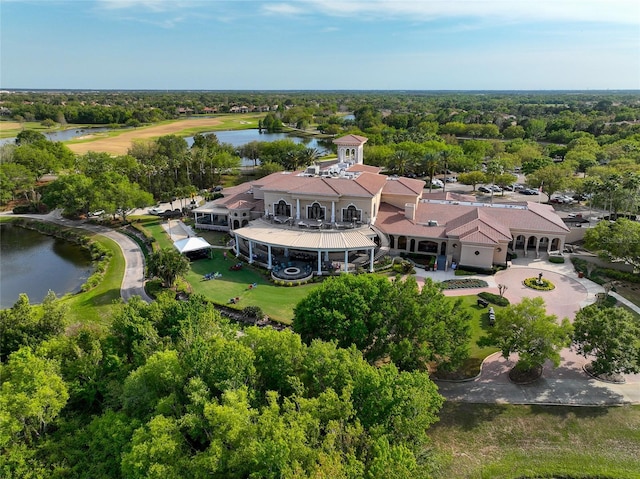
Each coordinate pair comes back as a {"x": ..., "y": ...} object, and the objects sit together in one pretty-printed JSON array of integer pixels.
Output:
[
  {"x": 282, "y": 208},
  {"x": 351, "y": 213},
  {"x": 315, "y": 211}
]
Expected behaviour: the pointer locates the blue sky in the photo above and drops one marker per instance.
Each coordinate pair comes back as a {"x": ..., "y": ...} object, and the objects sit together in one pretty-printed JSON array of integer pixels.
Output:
[{"x": 320, "y": 44}]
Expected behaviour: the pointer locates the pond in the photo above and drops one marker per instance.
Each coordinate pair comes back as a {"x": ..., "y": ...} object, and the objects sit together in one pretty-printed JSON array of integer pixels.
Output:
[
  {"x": 34, "y": 263},
  {"x": 62, "y": 135},
  {"x": 242, "y": 137}
]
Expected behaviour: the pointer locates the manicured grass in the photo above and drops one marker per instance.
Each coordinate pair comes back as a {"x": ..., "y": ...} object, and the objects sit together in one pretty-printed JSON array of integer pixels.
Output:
[
  {"x": 506, "y": 441},
  {"x": 95, "y": 306},
  {"x": 479, "y": 327},
  {"x": 153, "y": 225},
  {"x": 275, "y": 301}
]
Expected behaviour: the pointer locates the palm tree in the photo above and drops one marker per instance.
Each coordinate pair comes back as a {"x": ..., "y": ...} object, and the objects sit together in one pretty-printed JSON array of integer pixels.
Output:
[
  {"x": 431, "y": 162},
  {"x": 494, "y": 169}
]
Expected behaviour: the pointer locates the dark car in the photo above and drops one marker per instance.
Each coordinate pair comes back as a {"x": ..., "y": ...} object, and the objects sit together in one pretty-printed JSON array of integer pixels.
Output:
[
  {"x": 528, "y": 191},
  {"x": 484, "y": 189},
  {"x": 177, "y": 213}
]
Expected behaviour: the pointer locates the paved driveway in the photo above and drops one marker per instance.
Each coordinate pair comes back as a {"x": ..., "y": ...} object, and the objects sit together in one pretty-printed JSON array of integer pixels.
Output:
[{"x": 567, "y": 384}]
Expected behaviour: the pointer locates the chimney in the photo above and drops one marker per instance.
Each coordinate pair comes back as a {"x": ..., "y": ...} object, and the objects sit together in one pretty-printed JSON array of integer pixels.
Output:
[{"x": 410, "y": 211}]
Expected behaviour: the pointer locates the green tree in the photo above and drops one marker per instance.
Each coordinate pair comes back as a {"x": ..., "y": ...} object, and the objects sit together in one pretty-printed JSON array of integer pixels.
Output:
[
  {"x": 16, "y": 179},
  {"x": 73, "y": 193},
  {"x": 167, "y": 264},
  {"x": 32, "y": 394},
  {"x": 527, "y": 330},
  {"x": 472, "y": 178},
  {"x": 158, "y": 451},
  {"x": 612, "y": 336},
  {"x": 386, "y": 319},
  {"x": 27, "y": 325},
  {"x": 551, "y": 178},
  {"x": 617, "y": 241}
]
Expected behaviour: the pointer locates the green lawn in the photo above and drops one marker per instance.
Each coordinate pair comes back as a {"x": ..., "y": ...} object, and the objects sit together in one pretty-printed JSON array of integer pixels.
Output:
[
  {"x": 276, "y": 301},
  {"x": 95, "y": 306},
  {"x": 506, "y": 441}
]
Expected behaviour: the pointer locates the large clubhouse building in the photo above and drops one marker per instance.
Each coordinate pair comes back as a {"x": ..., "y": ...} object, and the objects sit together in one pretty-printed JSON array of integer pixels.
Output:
[{"x": 348, "y": 215}]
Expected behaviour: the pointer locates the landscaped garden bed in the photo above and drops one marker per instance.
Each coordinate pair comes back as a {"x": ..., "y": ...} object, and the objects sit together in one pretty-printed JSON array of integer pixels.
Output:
[{"x": 464, "y": 283}]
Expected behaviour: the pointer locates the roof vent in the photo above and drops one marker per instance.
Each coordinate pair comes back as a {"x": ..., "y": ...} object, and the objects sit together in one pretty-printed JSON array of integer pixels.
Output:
[{"x": 432, "y": 223}]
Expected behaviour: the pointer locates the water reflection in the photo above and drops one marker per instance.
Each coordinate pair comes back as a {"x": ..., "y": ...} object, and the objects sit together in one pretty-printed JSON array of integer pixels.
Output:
[{"x": 33, "y": 263}]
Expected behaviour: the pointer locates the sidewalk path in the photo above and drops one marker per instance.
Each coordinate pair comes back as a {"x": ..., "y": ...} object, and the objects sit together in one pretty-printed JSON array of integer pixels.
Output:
[
  {"x": 133, "y": 279},
  {"x": 567, "y": 384}
]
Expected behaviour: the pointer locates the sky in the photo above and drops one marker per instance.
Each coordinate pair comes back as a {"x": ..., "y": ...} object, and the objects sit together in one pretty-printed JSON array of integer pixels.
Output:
[{"x": 320, "y": 44}]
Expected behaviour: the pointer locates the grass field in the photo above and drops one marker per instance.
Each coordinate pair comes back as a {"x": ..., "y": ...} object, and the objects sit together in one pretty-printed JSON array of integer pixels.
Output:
[
  {"x": 95, "y": 306},
  {"x": 506, "y": 441},
  {"x": 118, "y": 142},
  {"x": 9, "y": 129}
]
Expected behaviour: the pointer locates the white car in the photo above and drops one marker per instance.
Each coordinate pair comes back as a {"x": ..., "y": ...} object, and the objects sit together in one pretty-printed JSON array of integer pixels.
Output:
[
  {"x": 155, "y": 211},
  {"x": 96, "y": 213},
  {"x": 437, "y": 182}
]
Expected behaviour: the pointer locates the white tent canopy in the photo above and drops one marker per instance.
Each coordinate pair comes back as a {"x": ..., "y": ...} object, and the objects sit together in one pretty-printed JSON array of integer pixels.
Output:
[{"x": 194, "y": 243}]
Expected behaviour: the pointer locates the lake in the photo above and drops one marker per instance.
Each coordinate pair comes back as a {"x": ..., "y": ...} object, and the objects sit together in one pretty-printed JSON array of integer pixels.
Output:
[
  {"x": 63, "y": 135},
  {"x": 34, "y": 263}
]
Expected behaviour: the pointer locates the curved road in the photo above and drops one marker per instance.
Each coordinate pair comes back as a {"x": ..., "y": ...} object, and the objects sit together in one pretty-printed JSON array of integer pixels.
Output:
[
  {"x": 133, "y": 279},
  {"x": 567, "y": 384}
]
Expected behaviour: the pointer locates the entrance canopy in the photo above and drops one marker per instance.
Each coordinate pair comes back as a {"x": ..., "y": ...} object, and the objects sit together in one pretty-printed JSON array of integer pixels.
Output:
[{"x": 188, "y": 245}]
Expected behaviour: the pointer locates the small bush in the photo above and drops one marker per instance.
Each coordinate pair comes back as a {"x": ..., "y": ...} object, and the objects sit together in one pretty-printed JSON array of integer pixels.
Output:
[
  {"x": 556, "y": 259},
  {"x": 478, "y": 270},
  {"x": 494, "y": 298},
  {"x": 539, "y": 285}
]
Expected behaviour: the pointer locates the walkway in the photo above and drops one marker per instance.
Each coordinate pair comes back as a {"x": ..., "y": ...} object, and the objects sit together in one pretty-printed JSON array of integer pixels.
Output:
[
  {"x": 133, "y": 278},
  {"x": 567, "y": 384}
]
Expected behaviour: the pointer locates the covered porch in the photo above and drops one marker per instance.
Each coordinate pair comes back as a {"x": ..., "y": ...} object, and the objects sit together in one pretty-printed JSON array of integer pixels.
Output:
[{"x": 321, "y": 251}]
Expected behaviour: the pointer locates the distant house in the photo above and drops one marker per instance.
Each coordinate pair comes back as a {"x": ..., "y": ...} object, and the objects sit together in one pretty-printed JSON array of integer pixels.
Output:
[{"x": 352, "y": 214}]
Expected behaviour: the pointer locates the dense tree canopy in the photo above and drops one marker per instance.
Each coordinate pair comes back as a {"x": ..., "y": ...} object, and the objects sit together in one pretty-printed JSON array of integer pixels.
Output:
[
  {"x": 526, "y": 329},
  {"x": 178, "y": 393},
  {"x": 616, "y": 241},
  {"x": 612, "y": 336},
  {"x": 385, "y": 319}
]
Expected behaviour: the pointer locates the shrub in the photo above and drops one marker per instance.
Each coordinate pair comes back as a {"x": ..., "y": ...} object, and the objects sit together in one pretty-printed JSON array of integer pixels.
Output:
[
  {"x": 539, "y": 285},
  {"x": 494, "y": 298},
  {"x": 478, "y": 270},
  {"x": 556, "y": 259}
]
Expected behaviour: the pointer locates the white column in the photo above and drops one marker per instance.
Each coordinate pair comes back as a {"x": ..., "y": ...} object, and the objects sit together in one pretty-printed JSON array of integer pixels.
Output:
[
  {"x": 371, "y": 260},
  {"x": 297, "y": 208},
  {"x": 270, "y": 263},
  {"x": 250, "y": 251},
  {"x": 237, "y": 245},
  {"x": 333, "y": 211},
  {"x": 346, "y": 261},
  {"x": 319, "y": 262}
]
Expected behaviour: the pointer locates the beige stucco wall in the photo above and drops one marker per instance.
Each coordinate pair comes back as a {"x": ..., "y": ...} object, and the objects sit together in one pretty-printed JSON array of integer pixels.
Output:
[
  {"x": 399, "y": 200},
  {"x": 482, "y": 260},
  {"x": 364, "y": 204}
]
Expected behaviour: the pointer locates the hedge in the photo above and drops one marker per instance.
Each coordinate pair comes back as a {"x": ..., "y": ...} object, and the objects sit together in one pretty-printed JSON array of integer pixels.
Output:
[{"x": 494, "y": 298}]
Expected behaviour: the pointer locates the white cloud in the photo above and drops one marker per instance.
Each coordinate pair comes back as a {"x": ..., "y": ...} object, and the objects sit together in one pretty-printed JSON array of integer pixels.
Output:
[{"x": 599, "y": 11}]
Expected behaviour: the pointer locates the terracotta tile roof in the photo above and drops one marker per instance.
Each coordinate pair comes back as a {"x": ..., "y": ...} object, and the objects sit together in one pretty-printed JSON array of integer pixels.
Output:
[
  {"x": 365, "y": 185},
  {"x": 439, "y": 195},
  {"x": 349, "y": 140},
  {"x": 471, "y": 223},
  {"x": 403, "y": 186},
  {"x": 367, "y": 168}
]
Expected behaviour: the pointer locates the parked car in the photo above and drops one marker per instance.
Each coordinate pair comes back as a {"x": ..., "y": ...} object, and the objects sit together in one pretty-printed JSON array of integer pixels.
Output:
[
  {"x": 495, "y": 188},
  {"x": 96, "y": 213},
  {"x": 437, "y": 182},
  {"x": 484, "y": 189},
  {"x": 177, "y": 213},
  {"x": 528, "y": 191},
  {"x": 216, "y": 189},
  {"x": 451, "y": 179},
  {"x": 154, "y": 211}
]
